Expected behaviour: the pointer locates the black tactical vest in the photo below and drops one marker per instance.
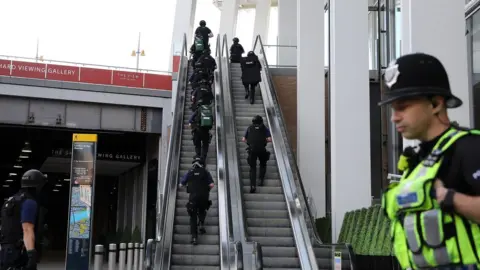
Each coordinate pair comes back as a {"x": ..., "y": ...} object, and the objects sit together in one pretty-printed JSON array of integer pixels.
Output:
[
  {"x": 197, "y": 183},
  {"x": 256, "y": 138},
  {"x": 11, "y": 228}
]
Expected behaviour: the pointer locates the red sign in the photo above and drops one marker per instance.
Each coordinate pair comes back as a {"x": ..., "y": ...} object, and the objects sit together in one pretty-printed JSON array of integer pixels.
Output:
[
  {"x": 96, "y": 76},
  {"x": 5, "y": 67},
  {"x": 129, "y": 79},
  {"x": 176, "y": 63},
  {"x": 155, "y": 81},
  {"x": 28, "y": 70},
  {"x": 63, "y": 73}
]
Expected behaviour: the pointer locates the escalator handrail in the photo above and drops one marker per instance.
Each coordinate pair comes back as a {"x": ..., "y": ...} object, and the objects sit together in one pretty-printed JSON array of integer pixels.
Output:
[
  {"x": 301, "y": 235},
  {"x": 165, "y": 207},
  {"x": 234, "y": 170},
  {"x": 285, "y": 141},
  {"x": 224, "y": 208}
]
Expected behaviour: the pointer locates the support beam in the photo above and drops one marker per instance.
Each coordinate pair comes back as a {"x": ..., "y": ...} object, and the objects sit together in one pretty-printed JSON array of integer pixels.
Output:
[
  {"x": 183, "y": 24},
  {"x": 350, "y": 110},
  {"x": 311, "y": 98},
  {"x": 262, "y": 20},
  {"x": 287, "y": 33},
  {"x": 421, "y": 21},
  {"x": 228, "y": 19}
]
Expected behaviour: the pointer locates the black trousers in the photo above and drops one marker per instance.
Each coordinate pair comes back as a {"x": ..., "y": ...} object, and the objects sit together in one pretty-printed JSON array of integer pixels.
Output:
[
  {"x": 263, "y": 157},
  {"x": 12, "y": 257},
  {"x": 250, "y": 91},
  {"x": 201, "y": 141},
  {"x": 197, "y": 210}
]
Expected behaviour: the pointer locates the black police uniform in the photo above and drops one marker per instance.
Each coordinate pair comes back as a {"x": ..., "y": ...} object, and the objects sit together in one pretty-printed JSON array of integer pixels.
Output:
[
  {"x": 423, "y": 75},
  {"x": 198, "y": 186},
  {"x": 206, "y": 63},
  {"x": 202, "y": 93},
  {"x": 236, "y": 51},
  {"x": 204, "y": 31},
  {"x": 201, "y": 136},
  {"x": 195, "y": 55},
  {"x": 251, "y": 69},
  {"x": 257, "y": 141},
  {"x": 13, "y": 253}
]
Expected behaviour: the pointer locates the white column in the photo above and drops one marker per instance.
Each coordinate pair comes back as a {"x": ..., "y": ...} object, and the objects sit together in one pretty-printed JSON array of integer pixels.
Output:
[
  {"x": 262, "y": 20},
  {"x": 311, "y": 98},
  {"x": 287, "y": 32},
  {"x": 183, "y": 24},
  {"x": 421, "y": 21},
  {"x": 350, "y": 109},
  {"x": 228, "y": 19}
]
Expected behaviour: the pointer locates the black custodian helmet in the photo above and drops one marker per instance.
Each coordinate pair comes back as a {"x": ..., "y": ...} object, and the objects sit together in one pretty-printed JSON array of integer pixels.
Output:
[
  {"x": 236, "y": 40},
  {"x": 257, "y": 120},
  {"x": 203, "y": 23},
  {"x": 418, "y": 75}
]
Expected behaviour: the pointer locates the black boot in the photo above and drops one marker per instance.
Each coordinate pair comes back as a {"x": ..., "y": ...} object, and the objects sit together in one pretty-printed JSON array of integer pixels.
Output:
[
  {"x": 194, "y": 240},
  {"x": 246, "y": 93},
  {"x": 202, "y": 228},
  {"x": 263, "y": 171}
]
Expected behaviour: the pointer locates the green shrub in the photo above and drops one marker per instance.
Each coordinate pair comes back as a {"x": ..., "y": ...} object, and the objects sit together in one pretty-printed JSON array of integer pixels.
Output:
[
  {"x": 370, "y": 233},
  {"x": 356, "y": 232},
  {"x": 343, "y": 233},
  {"x": 364, "y": 232},
  {"x": 384, "y": 236},
  {"x": 351, "y": 229}
]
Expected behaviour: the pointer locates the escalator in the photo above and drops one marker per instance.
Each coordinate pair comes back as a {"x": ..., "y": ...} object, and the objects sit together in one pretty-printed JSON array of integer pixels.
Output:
[
  {"x": 287, "y": 236},
  {"x": 206, "y": 255}
]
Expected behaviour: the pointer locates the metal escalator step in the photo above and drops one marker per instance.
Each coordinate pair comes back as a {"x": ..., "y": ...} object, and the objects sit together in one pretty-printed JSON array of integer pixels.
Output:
[
  {"x": 204, "y": 256},
  {"x": 268, "y": 221}
]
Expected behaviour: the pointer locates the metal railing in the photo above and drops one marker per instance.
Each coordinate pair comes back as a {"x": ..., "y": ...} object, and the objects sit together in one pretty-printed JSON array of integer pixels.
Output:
[
  {"x": 168, "y": 192},
  {"x": 273, "y": 51},
  {"x": 78, "y": 64},
  {"x": 292, "y": 168},
  {"x": 130, "y": 257},
  {"x": 252, "y": 251}
]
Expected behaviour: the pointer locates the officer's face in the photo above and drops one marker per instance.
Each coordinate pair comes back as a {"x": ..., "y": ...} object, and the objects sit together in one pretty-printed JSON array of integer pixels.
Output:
[{"x": 412, "y": 117}]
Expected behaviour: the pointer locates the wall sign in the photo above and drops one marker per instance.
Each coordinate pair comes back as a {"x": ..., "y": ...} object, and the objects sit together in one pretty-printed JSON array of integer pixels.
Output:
[
  {"x": 82, "y": 186},
  {"x": 119, "y": 156}
]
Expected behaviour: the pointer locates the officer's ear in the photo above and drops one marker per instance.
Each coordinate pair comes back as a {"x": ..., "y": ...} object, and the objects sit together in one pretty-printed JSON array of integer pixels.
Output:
[{"x": 438, "y": 104}]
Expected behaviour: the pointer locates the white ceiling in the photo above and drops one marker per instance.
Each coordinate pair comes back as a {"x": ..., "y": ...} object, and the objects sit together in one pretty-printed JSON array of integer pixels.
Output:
[{"x": 103, "y": 167}]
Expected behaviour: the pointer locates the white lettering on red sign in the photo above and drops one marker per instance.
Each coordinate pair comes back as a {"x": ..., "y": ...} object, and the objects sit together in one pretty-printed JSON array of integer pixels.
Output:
[
  {"x": 5, "y": 66},
  {"x": 29, "y": 68},
  {"x": 60, "y": 71}
]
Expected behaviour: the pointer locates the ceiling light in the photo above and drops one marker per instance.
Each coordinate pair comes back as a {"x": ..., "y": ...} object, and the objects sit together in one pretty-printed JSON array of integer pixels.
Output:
[
  {"x": 56, "y": 190},
  {"x": 58, "y": 185},
  {"x": 26, "y": 148},
  {"x": 23, "y": 156},
  {"x": 17, "y": 166},
  {"x": 9, "y": 180},
  {"x": 12, "y": 174},
  {"x": 66, "y": 179},
  {"x": 6, "y": 186}
]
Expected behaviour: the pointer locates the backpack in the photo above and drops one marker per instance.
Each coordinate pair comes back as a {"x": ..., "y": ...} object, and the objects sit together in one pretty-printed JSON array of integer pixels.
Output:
[
  {"x": 205, "y": 116},
  {"x": 198, "y": 44},
  {"x": 256, "y": 138}
]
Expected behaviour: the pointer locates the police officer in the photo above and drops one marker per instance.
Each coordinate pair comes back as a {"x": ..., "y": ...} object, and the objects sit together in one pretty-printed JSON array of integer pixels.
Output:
[
  {"x": 19, "y": 219},
  {"x": 196, "y": 50},
  {"x": 256, "y": 136},
  {"x": 204, "y": 32},
  {"x": 206, "y": 63},
  {"x": 435, "y": 208},
  {"x": 236, "y": 51},
  {"x": 203, "y": 92},
  {"x": 201, "y": 122},
  {"x": 199, "y": 182},
  {"x": 251, "y": 68}
]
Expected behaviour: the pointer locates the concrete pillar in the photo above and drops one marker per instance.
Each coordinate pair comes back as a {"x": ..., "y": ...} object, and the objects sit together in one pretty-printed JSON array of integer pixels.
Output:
[
  {"x": 183, "y": 24},
  {"x": 350, "y": 110},
  {"x": 287, "y": 32},
  {"x": 421, "y": 21},
  {"x": 311, "y": 98},
  {"x": 262, "y": 20},
  {"x": 228, "y": 19}
]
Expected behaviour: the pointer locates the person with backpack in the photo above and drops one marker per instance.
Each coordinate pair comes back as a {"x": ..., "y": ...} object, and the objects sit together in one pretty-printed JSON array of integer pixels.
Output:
[
  {"x": 197, "y": 48},
  {"x": 203, "y": 93},
  {"x": 201, "y": 122},
  {"x": 236, "y": 51},
  {"x": 205, "y": 33},
  {"x": 207, "y": 64},
  {"x": 20, "y": 218},
  {"x": 257, "y": 136},
  {"x": 251, "y": 69},
  {"x": 199, "y": 182}
]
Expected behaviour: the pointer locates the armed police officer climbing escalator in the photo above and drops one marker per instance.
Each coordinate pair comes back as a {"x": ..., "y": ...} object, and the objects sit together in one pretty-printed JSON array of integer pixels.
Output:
[
  {"x": 199, "y": 182},
  {"x": 251, "y": 69},
  {"x": 236, "y": 51},
  {"x": 20, "y": 225}
]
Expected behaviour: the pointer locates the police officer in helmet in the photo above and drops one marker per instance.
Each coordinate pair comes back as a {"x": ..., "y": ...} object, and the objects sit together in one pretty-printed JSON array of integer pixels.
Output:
[
  {"x": 251, "y": 76},
  {"x": 435, "y": 208},
  {"x": 19, "y": 224},
  {"x": 205, "y": 32},
  {"x": 256, "y": 136},
  {"x": 199, "y": 182},
  {"x": 236, "y": 51}
]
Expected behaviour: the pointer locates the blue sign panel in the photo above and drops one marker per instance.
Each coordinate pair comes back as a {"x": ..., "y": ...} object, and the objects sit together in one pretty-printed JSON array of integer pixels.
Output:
[{"x": 82, "y": 179}]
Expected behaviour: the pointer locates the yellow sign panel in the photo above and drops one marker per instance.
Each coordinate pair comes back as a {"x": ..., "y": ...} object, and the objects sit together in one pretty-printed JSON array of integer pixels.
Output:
[{"x": 84, "y": 137}]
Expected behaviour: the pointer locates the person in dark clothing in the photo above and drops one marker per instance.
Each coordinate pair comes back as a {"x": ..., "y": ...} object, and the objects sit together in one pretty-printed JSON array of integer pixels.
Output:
[
  {"x": 196, "y": 50},
  {"x": 236, "y": 51},
  {"x": 201, "y": 122},
  {"x": 251, "y": 69},
  {"x": 206, "y": 62},
  {"x": 20, "y": 217},
  {"x": 444, "y": 168},
  {"x": 202, "y": 92},
  {"x": 199, "y": 182},
  {"x": 204, "y": 32},
  {"x": 256, "y": 136}
]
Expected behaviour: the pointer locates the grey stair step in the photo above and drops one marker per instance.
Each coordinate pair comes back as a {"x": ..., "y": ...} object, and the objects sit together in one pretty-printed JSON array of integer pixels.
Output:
[
  {"x": 269, "y": 222},
  {"x": 206, "y": 255},
  {"x": 259, "y": 213}
]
